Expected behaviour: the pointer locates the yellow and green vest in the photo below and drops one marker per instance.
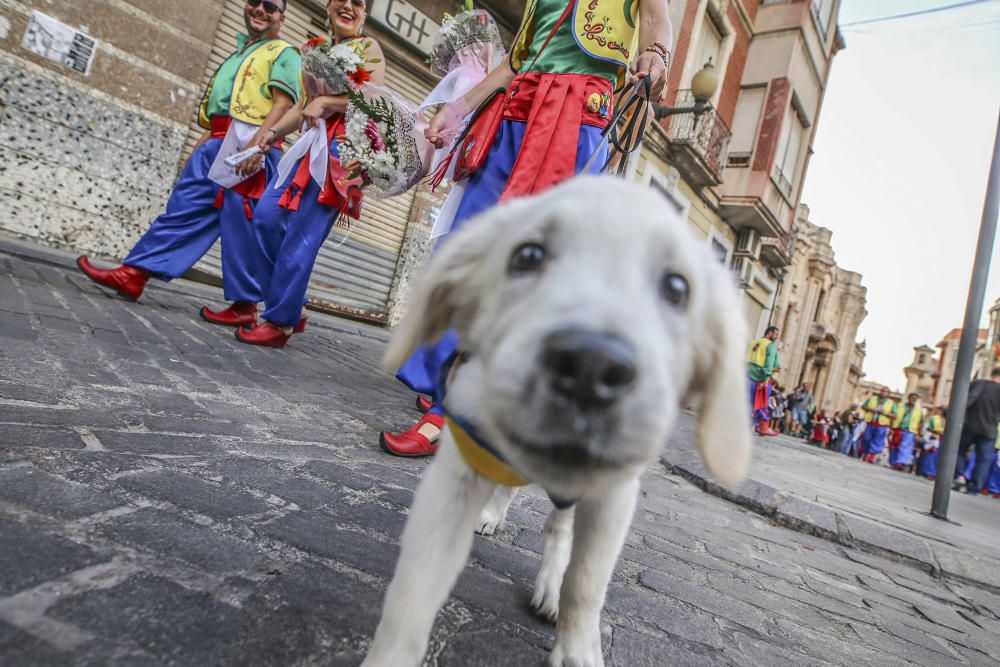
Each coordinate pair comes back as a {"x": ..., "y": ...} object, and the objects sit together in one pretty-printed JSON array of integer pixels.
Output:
[
  {"x": 872, "y": 403},
  {"x": 758, "y": 352},
  {"x": 916, "y": 418},
  {"x": 251, "y": 99},
  {"x": 604, "y": 30},
  {"x": 935, "y": 424}
]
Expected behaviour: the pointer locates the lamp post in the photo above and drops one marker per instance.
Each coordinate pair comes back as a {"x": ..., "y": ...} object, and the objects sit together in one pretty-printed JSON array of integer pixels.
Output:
[
  {"x": 703, "y": 87},
  {"x": 967, "y": 344}
]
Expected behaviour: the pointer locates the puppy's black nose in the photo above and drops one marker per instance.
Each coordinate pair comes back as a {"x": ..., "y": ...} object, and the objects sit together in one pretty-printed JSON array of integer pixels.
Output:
[{"x": 591, "y": 369}]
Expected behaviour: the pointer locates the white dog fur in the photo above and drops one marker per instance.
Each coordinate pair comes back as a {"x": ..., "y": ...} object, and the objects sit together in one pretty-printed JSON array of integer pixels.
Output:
[{"x": 608, "y": 248}]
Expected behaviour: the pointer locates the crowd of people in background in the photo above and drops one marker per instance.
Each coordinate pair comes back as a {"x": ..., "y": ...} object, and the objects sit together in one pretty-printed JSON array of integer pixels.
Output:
[{"x": 910, "y": 432}]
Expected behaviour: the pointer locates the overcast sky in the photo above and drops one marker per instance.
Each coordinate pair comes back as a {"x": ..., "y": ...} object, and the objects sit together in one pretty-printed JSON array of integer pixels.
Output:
[{"x": 902, "y": 155}]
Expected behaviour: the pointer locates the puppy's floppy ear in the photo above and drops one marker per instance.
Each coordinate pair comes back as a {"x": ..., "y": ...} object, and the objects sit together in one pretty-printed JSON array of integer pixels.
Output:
[
  {"x": 446, "y": 294},
  {"x": 720, "y": 378}
]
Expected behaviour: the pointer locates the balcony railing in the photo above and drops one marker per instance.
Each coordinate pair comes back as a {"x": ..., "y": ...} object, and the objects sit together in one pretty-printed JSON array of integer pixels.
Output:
[{"x": 707, "y": 137}]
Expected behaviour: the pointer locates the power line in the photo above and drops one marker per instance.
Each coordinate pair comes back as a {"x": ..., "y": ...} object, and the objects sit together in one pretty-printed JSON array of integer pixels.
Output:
[{"x": 932, "y": 10}]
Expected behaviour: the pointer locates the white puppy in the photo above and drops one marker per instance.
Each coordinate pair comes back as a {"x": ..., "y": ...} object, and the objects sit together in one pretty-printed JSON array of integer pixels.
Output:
[{"x": 585, "y": 316}]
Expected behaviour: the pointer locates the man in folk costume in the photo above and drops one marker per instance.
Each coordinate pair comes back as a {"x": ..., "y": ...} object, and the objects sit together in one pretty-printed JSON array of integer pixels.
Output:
[
  {"x": 568, "y": 62},
  {"x": 879, "y": 410},
  {"x": 933, "y": 432},
  {"x": 248, "y": 94},
  {"x": 762, "y": 362},
  {"x": 905, "y": 427}
]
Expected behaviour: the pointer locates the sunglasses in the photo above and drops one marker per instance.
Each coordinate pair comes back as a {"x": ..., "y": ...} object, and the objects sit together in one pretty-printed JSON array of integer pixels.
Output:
[{"x": 269, "y": 7}]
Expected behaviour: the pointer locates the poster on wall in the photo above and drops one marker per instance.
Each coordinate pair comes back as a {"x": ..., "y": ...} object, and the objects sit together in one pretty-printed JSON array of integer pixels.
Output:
[{"x": 60, "y": 43}]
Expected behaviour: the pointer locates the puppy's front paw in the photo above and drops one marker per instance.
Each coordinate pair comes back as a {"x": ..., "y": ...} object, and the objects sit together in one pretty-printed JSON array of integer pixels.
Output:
[
  {"x": 586, "y": 655},
  {"x": 489, "y": 521},
  {"x": 545, "y": 600}
]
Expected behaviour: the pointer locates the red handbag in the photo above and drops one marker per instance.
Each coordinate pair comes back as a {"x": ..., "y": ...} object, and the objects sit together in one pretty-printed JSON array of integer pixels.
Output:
[{"x": 474, "y": 144}]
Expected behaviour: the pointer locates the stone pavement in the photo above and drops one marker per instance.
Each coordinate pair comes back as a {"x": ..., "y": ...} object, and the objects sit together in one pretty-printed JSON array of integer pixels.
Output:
[
  {"x": 171, "y": 497},
  {"x": 870, "y": 506}
]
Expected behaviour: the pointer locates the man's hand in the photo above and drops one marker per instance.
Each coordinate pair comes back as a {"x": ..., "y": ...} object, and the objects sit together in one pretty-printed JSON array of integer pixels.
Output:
[
  {"x": 650, "y": 64},
  {"x": 252, "y": 164}
]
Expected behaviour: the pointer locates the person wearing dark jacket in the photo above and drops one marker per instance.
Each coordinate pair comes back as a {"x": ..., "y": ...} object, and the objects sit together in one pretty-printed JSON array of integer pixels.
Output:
[{"x": 979, "y": 430}]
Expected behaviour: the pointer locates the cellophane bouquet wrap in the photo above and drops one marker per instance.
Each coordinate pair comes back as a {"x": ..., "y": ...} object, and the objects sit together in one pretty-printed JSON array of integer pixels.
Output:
[
  {"x": 384, "y": 141},
  {"x": 331, "y": 69},
  {"x": 471, "y": 36}
]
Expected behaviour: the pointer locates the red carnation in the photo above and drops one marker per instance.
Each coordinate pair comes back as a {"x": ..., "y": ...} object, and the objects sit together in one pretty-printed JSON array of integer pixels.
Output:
[
  {"x": 313, "y": 42},
  {"x": 360, "y": 76}
]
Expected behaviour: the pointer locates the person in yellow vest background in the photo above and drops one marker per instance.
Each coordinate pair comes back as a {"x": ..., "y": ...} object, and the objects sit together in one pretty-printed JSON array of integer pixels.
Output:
[
  {"x": 880, "y": 410},
  {"x": 933, "y": 432},
  {"x": 909, "y": 418},
  {"x": 762, "y": 362},
  {"x": 251, "y": 90}
]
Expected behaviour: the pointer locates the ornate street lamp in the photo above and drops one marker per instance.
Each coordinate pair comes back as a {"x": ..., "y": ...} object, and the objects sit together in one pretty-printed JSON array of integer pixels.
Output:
[{"x": 703, "y": 87}]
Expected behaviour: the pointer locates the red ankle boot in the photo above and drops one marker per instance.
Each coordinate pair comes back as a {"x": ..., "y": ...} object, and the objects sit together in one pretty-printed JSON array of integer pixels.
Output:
[
  {"x": 238, "y": 314},
  {"x": 301, "y": 325},
  {"x": 424, "y": 403},
  {"x": 128, "y": 281},
  {"x": 265, "y": 334},
  {"x": 410, "y": 442}
]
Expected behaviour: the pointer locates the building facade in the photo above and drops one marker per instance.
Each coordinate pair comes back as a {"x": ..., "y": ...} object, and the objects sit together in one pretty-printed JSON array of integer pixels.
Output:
[
  {"x": 947, "y": 359},
  {"x": 922, "y": 374},
  {"x": 737, "y": 171},
  {"x": 818, "y": 310},
  {"x": 867, "y": 388}
]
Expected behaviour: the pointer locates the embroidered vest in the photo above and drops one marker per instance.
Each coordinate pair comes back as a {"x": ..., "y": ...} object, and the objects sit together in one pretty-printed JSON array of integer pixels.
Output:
[
  {"x": 603, "y": 29},
  {"x": 758, "y": 352},
  {"x": 935, "y": 425},
  {"x": 916, "y": 417},
  {"x": 873, "y": 404},
  {"x": 250, "y": 101}
]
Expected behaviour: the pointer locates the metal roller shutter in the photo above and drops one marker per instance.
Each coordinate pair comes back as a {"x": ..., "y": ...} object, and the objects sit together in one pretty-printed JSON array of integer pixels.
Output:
[{"x": 354, "y": 271}]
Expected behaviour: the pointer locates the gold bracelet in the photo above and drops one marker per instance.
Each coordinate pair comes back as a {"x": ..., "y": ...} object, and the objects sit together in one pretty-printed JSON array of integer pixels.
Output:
[{"x": 659, "y": 50}]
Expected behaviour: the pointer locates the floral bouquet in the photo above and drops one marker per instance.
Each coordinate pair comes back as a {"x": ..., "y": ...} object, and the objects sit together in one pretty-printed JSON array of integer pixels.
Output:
[
  {"x": 331, "y": 69},
  {"x": 469, "y": 36},
  {"x": 384, "y": 143}
]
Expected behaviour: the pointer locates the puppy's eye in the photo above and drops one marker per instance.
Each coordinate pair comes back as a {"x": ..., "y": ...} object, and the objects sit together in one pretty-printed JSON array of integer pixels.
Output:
[
  {"x": 674, "y": 288},
  {"x": 526, "y": 257}
]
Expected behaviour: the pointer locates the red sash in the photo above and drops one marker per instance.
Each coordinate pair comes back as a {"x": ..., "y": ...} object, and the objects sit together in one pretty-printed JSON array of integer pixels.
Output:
[{"x": 554, "y": 106}]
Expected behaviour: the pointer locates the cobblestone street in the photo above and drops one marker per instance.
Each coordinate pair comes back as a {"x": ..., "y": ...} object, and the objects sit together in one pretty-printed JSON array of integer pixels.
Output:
[{"x": 169, "y": 496}]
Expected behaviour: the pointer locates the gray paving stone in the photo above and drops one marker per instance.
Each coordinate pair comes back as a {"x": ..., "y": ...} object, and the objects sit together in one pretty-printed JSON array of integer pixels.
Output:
[
  {"x": 175, "y": 624},
  {"x": 339, "y": 474},
  {"x": 707, "y": 599},
  {"x": 31, "y": 556},
  {"x": 21, "y": 649},
  {"x": 151, "y": 444},
  {"x": 23, "y": 435},
  {"x": 489, "y": 646},
  {"x": 169, "y": 536},
  {"x": 29, "y": 488},
  {"x": 318, "y": 534},
  {"x": 267, "y": 477},
  {"x": 191, "y": 493}
]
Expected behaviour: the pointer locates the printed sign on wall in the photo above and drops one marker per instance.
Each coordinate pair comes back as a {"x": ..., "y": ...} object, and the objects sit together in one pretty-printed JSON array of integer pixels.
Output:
[
  {"x": 405, "y": 20},
  {"x": 60, "y": 43}
]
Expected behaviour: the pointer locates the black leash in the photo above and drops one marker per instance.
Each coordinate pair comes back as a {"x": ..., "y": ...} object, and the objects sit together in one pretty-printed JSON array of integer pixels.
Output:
[{"x": 624, "y": 141}]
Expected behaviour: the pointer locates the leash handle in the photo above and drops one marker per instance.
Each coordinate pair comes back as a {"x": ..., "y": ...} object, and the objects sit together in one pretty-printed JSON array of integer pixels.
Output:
[{"x": 631, "y": 138}]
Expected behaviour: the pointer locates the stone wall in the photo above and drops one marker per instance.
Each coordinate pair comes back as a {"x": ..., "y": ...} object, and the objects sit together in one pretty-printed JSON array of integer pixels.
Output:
[{"x": 88, "y": 160}]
